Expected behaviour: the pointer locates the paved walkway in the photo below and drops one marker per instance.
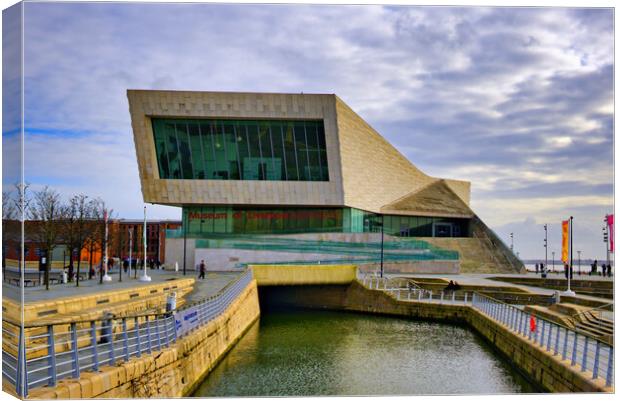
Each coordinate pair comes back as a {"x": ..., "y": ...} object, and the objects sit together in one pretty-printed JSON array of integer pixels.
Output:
[{"x": 214, "y": 282}]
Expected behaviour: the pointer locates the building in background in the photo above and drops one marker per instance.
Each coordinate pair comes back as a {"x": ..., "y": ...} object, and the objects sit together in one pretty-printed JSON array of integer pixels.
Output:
[
  {"x": 118, "y": 245},
  {"x": 297, "y": 178}
]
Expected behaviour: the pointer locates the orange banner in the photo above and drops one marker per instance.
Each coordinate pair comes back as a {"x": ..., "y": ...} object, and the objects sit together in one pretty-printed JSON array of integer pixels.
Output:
[{"x": 565, "y": 241}]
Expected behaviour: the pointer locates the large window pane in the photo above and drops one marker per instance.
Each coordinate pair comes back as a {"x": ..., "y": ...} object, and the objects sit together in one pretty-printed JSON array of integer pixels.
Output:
[
  {"x": 222, "y": 149},
  {"x": 197, "y": 151}
]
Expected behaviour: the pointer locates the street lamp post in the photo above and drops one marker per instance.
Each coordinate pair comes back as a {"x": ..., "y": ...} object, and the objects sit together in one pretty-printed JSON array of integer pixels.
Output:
[
  {"x": 545, "y": 267},
  {"x": 105, "y": 277},
  {"x": 606, "y": 238},
  {"x": 381, "y": 245},
  {"x": 144, "y": 277},
  {"x": 130, "y": 247}
]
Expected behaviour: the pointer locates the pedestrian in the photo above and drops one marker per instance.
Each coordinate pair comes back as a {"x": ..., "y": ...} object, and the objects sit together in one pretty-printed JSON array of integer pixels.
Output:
[
  {"x": 566, "y": 271},
  {"x": 536, "y": 268},
  {"x": 595, "y": 268},
  {"x": 125, "y": 265},
  {"x": 203, "y": 269},
  {"x": 609, "y": 270}
]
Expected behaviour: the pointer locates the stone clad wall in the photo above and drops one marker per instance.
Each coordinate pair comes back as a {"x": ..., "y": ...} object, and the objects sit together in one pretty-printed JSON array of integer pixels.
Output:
[{"x": 144, "y": 104}]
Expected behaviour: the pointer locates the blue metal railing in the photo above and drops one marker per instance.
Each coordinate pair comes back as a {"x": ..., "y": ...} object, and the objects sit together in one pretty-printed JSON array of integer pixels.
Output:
[
  {"x": 588, "y": 353},
  {"x": 48, "y": 353}
]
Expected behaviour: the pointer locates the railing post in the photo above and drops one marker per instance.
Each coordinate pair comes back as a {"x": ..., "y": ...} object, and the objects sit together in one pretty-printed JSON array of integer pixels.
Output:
[
  {"x": 557, "y": 340},
  {"x": 111, "y": 343},
  {"x": 542, "y": 333},
  {"x": 584, "y": 361},
  {"x": 565, "y": 343},
  {"x": 610, "y": 366},
  {"x": 520, "y": 314},
  {"x": 74, "y": 354},
  {"x": 157, "y": 327},
  {"x": 21, "y": 382},
  {"x": 93, "y": 344},
  {"x": 549, "y": 336},
  {"x": 137, "y": 327},
  {"x": 51, "y": 353},
  {"x": 573, "y": 359},
  {"x": 465, "y": 301},
  {"x": 596, "y": 356},
  {"x": 125, "y": 339},
  {"x": 148, "y": 334}
]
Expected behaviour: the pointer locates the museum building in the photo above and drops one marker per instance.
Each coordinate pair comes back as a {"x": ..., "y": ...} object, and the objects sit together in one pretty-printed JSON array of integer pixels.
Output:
[{"x": 243, "y": 164}]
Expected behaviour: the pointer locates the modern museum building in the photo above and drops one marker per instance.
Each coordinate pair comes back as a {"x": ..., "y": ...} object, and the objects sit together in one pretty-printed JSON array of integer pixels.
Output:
[{"x": 298, "y": 178}]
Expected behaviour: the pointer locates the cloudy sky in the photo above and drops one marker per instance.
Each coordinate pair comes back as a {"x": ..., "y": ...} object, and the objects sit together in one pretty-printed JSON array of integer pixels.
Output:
[{"x": 519, "y": 101}]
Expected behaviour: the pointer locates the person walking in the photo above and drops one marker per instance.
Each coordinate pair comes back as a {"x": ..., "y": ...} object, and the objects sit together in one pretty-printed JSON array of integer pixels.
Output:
[
  {"x": 203, "y": 269},
  {"x": 536, "y": 268}
]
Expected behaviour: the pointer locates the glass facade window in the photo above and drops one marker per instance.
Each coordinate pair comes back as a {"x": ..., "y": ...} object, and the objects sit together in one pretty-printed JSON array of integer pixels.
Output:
[
  {"x": 217, "y": 149},
  {"x": 234, "y": 220},
  {"x": 286, "y": 220}
]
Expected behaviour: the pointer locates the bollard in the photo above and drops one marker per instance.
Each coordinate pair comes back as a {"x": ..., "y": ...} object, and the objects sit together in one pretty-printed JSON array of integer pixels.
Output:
[{"x": 171, "y": 302}]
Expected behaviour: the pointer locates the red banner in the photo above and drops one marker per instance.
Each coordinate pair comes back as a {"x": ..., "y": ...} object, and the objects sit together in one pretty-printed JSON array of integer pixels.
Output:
[
  {"x": 565, "y": 241},
  {"x": 610, "y": 226}
]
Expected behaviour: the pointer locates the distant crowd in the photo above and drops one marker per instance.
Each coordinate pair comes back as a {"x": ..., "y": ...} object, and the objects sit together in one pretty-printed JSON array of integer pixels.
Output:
[{"x": 568, "y": 271}]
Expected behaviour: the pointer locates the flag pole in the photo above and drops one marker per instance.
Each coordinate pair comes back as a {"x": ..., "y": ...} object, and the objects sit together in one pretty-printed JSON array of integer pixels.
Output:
[
  {"x": 144, "y": 277},
  {"x": 570, "y": 268}
]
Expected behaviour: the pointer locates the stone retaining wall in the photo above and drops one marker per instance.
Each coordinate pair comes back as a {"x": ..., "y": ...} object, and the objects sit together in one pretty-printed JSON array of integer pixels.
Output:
[{"x": 173, "y": 372}]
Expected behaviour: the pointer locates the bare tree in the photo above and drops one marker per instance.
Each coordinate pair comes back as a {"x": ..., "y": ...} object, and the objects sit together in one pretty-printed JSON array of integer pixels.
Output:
[
  {"x": 97, "y": 236},
  {"x": 79, "y": 224},
  {"x": 46, "y": 209}
]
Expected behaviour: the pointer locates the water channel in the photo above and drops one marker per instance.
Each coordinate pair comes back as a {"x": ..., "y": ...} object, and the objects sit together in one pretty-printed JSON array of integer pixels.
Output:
[{"x": 304, "y": 353}]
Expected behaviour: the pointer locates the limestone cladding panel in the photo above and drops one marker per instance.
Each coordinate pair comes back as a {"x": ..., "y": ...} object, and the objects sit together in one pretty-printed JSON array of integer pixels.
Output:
[
  {"x": 146, "y": 104},
  {"x": 461, "y": 188},
  {"x": 374, "y": 173}
]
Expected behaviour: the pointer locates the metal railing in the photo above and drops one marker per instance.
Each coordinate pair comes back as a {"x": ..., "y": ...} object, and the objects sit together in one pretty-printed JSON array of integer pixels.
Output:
[
  {"x": 588, "y": 353},
  {"x": 37, "y": 355},
  {"x": 405, "y": 290}
]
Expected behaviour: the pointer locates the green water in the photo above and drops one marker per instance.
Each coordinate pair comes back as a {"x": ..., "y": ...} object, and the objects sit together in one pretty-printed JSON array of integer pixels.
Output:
[{"x": 303, "y": 353}]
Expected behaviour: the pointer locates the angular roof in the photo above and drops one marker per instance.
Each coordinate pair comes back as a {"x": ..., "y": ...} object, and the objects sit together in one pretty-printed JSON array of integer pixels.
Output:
[{"x": 434, "y": 199}]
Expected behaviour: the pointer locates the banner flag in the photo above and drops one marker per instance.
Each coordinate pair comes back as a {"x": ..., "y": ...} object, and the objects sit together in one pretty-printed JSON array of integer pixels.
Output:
[
  {"x": 565, "y": 241},
  {"x": 610, "y": 225}
]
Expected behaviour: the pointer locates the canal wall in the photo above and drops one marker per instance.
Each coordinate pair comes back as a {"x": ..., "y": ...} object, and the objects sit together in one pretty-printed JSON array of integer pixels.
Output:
[
  {"x": 548, "y": 371},
  {"x": 173, "y": 372}
]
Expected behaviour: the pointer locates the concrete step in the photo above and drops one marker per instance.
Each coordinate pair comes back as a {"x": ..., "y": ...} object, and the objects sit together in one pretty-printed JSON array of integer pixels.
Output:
[{"x": 594, "y": 328}]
